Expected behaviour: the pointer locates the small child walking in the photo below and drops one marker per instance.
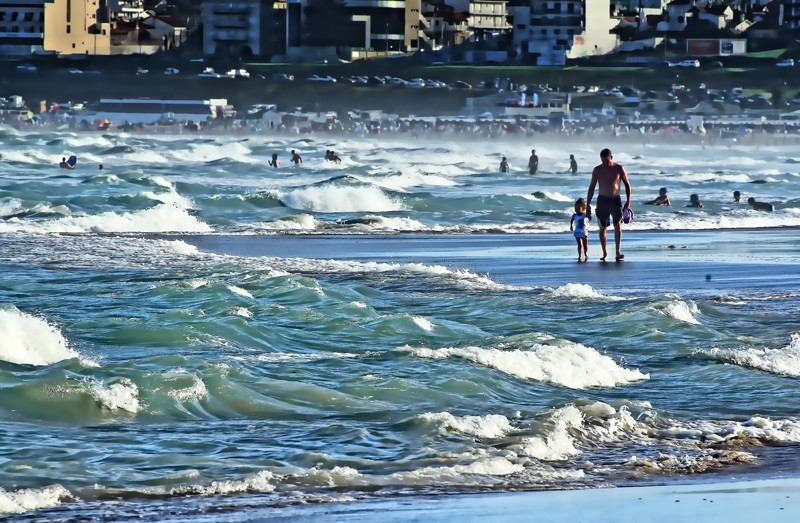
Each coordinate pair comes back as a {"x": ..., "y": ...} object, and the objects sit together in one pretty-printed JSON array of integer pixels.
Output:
[{"x": 577, "y": 224}]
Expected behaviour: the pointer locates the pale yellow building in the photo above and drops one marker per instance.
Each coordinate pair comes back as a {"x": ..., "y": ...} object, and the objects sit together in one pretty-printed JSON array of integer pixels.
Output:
[{"x": 73, "y": 27}]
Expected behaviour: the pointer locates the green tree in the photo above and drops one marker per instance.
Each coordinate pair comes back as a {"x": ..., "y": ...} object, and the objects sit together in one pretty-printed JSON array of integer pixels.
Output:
[{"x": 327, "y": 23}]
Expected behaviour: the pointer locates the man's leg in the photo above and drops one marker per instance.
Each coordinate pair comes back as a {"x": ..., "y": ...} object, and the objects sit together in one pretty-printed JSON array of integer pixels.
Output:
[
  {"x": 618, "y": 238},
  {"x": 603, "y": 236}
]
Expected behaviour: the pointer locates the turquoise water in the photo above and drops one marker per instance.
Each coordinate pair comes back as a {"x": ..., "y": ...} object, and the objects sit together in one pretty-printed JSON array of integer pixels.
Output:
[{"x": 188, "y": 331}]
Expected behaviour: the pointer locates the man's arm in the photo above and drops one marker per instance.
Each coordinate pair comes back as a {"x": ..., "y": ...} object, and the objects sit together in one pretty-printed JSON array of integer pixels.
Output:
[
  {"x": 627, "y": 184},
  {"x": 590, "y": 194}
]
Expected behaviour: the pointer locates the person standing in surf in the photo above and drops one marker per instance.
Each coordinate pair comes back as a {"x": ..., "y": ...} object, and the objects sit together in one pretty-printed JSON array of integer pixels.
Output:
[
  {"x": 577, "y": 224},
  {"x": 607, "y": 177},
  {"x": 533, "y": 162}
]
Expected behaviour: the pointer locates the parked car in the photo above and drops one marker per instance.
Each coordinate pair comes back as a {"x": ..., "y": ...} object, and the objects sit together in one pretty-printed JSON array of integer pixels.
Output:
[
  {"x": 171, "y": 71},
  {"x": 283, "y": 77},
  {"x": 318, "y": 78},
  {"x": 786, "y": 62},
  {"x": 209, "y": 72},
  {"x": 238, "y": 73},
  {"x": 28, "y": 68},
  {"x": 141, "y": 70},
  {"x": 74, "y": 71},
  {"x": 461, "y": 84},
  {"x": 687, "y": 63}
]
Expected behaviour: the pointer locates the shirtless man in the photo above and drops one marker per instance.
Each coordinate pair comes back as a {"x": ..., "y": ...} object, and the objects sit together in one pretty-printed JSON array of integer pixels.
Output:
[{"x": 607, "y": 176}]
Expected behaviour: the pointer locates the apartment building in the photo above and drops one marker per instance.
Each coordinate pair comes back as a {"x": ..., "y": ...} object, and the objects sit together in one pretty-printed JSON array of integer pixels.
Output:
[
  {"x": 21, "y": 27},
  {"x": 389, "y": 25},
  {"x": 552, "y": 31},
  {"x": 77, "y": 27},
  {"x": 232, "y": 27}
]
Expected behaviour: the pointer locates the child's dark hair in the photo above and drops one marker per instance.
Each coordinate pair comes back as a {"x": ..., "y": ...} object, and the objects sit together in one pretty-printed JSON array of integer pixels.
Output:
[{"x": 580, "y": 203}]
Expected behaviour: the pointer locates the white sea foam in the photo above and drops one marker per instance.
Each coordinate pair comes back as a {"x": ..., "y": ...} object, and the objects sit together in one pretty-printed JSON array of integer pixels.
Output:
[
  {"x": 195, "y": 389},
  {"x": 682, "y": 311},
  {"x": 303, "y": 222},
  {"x": 261, "y": 481},
  {"x": 242, "y": 311},
  {"x": 161, "y": 218},
  {"x": 122, "y": 395},
  {"x": 760, "y": 428},
  {"x": 568, "y": 364},
  {"x": 488, "y": 426},
  {"x": 29, "y": 499},
  {"x": 279, "y": 357},
  {"x": 241, "y": 292},
  {"x": 31, "y": 340},
  {"x": 9, "y": 207},
  {"x": 333, "y": 198},
  {"x": 581, "y": 291},
  {"x": 784, "y": 361},
  {"x": 423, "y": 323}
]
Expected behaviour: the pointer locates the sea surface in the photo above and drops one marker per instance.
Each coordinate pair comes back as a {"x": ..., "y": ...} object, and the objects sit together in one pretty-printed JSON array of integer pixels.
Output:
[{"x": 189, "y": 332}]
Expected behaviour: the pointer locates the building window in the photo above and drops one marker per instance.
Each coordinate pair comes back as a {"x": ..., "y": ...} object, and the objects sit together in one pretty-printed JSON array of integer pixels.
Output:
[
  {"x": 556, "y": 31},
  {"x": 69, "y": 11},
  {"x": 680, "y": 19},
  {"x": 29, "y": 16},
  {"x": 544, "y": 31},
  {"x": 69, "y": 29},
  {"x": 73, "y": 46},
  {"x": 41, "y": 16},
  {"x": 15, "y": 29},
  {"x": 14, "y": 16}
]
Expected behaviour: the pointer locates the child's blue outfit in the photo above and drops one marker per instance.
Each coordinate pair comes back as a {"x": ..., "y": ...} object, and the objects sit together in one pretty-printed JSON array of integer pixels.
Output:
[{"x": 580, "y": 225}]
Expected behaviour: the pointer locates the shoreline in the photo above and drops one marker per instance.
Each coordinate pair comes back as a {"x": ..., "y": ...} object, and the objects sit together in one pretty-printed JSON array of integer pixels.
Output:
[{"x": 774, "y": 499}]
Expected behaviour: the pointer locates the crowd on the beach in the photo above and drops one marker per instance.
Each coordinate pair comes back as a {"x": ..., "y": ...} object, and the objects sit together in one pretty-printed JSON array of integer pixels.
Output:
[{"x": 420, "y": 127}]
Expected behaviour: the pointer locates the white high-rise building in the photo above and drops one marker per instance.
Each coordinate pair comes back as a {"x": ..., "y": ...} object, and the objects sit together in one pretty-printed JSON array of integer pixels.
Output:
[{"x": 555, "y": 30}]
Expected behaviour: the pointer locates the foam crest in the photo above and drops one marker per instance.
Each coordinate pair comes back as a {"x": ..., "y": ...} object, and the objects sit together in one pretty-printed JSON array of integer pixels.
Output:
[
  {"x": 457, "y": 474},
  {"x": 242, "y": 312},
  {"x": 26, "y": 500},
  {"x": 569, "y": 365},
  {"x": 122, "y": 395},
  {"x": 215, "y": 152},
  {"x": 241, "y": 292},
  {"x": 581, "y": 291},
  {"x": 557, "y": 443},
  {"x": 298, "y": 222},
  {"x": 161, "y": 218},
  {"x": 682, "y": 311},
  {"x": 423, "y": 323},
  {"x": 333, "y": 198},
  {"x": 10, "y": 207},
  {"x": 784, "y": 361},
  {"x": 488, "y": 426},
  {"x": 261, "y": 482},
  {"x": 170, "y": 197},
  {"x": 411, "y": 178},
  {"x": 29, "y": 340},
  {"x": 189, "y": 387}
]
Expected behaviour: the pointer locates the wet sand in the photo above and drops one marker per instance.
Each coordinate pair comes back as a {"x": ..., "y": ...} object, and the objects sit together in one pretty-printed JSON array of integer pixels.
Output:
[
  {"x": 772, "y": 500},
  {"x": 664, "y": 261}
]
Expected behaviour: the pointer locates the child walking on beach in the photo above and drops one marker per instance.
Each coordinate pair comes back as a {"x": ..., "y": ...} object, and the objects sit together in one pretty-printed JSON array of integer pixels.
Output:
[{"x": 577, "y": 224}]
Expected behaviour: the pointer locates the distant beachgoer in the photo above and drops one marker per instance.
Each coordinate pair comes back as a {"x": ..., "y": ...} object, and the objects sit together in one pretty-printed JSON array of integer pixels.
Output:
[
  {"x": 335, "y": 157},
  {"x": 504, "y": 167},
  {"x": 577, "y": 224},
  {"x": 274, "y": 162},
  {"x": 661, "y": 199},
  {"x": 65, "y": 164},
  {"x": 607, "y": 176},
  {"x": 737, "y": 197},
  {"x": 296, "y": 159},
  {"x": 760, "y": 206},
  {"x": 533, "y": 162},
  {"x": 100, "y": 167},
  {"x": 694, "y": 201},
  {"x": 573, "y": 165}
]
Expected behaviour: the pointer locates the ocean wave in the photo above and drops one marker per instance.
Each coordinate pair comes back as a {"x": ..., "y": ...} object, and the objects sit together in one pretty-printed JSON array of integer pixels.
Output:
[
  {"x": 30, "y": 499},
  {"x": 784, "y": 361},
  {"x": 30, "y": 340},
  {"x": 569, "y": 364},
  {"x": 341, "y": 199},
  {"x": 161, "y": 218}
]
